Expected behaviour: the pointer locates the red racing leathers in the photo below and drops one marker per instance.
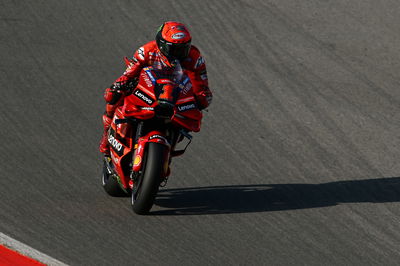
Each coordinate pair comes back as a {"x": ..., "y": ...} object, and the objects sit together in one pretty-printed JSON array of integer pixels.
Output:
[{"x": 150, "y": 55}]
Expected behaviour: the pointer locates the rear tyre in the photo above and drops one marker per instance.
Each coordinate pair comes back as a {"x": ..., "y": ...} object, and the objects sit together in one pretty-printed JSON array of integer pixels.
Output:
[
  {"x": 110, "y": 184},
  {"x": 147, "y": 185}
]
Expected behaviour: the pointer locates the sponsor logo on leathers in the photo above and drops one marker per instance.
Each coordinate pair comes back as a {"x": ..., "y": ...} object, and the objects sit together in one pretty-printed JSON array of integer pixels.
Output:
[
  {"x": 141, "y": 53},
  {"x": 199, "y": 62},
  {"x": 186, "y": 89},
  {"x": 186, "y": 107}
]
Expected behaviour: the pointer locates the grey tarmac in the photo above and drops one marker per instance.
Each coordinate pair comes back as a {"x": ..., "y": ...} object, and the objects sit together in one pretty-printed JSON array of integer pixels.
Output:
[{"x": 297, "y": 162}]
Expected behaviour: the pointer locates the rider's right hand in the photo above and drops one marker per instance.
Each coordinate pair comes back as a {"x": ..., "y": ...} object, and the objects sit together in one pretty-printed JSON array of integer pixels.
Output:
[{"x": 112, "y": 94}]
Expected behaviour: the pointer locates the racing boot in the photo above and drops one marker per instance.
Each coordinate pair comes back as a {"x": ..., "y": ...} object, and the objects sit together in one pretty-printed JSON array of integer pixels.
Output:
[{"x": 104, "y": 147}]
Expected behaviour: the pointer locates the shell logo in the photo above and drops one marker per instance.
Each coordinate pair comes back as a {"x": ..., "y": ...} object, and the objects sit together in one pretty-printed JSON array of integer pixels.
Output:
[{"x": 137, "y": 160}]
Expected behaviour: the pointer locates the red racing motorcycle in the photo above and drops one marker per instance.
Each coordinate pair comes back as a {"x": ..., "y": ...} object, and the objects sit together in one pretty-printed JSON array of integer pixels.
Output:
[{"x": 158, "y": 114}]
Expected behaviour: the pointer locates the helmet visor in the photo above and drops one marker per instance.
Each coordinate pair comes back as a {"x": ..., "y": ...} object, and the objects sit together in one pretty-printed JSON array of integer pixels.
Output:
[{"x": 176, "y": 50}]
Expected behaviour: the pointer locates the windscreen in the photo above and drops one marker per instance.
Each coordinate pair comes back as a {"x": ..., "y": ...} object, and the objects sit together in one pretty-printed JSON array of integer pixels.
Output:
[{"x": 173, "y": 73}]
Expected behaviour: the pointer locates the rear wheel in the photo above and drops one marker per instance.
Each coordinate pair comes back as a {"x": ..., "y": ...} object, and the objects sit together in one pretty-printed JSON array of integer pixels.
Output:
[
  {"x": 146, "y": 187},
  {"x": 110, "y": 183}
]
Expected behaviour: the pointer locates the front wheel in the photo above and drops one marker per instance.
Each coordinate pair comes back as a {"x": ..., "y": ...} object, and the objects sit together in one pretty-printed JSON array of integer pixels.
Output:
[{"x": 146, "y": 187}]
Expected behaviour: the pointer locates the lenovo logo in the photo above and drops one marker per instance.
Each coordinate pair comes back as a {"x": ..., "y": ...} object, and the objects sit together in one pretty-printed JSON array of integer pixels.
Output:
[
  {"x": 182, "y": 108},
  {"x": 144, "y": 97}
]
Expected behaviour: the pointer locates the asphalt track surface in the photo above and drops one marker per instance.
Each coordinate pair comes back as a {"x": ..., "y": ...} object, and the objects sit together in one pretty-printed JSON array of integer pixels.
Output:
[{"x": 297, "y": 162}]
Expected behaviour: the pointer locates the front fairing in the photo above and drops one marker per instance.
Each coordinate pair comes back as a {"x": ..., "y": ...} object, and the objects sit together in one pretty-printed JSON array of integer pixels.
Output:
[
  {"x": 187, "y": 114},
  {"x": 151, "y": 90},
  {"x": 132, "y": 108},
  {"x": 141, "y": 102}
]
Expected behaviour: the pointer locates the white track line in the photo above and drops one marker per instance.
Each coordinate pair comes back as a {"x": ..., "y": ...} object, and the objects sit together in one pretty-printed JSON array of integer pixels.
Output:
[{"x": 28, "y": 251}]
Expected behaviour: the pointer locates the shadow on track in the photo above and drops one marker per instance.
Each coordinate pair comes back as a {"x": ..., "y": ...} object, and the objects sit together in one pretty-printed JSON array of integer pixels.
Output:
[{"x": 274, "y": 197}]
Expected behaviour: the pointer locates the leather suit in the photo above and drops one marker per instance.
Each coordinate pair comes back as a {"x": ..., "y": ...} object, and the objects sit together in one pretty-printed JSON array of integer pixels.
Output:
[{"x": 149, "y": 55}]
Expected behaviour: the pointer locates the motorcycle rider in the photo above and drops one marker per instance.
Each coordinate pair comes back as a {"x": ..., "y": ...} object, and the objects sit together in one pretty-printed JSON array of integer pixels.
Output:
[{"x": 173, "y": 42}]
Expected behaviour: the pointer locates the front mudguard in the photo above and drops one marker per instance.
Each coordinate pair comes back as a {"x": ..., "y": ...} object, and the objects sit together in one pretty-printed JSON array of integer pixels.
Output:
[{"x": 156, "y": 137}]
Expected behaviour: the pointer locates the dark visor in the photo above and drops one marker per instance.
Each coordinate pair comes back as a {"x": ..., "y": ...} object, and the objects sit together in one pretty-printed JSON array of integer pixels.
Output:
[{"x": 177, "y": 50}]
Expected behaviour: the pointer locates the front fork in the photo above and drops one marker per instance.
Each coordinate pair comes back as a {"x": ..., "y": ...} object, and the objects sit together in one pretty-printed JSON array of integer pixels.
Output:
[{"x": 141, "y": 142}]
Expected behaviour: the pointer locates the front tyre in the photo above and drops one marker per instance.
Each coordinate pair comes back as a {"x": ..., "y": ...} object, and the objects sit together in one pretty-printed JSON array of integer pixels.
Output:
[{"x": 146, "y": 187}]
